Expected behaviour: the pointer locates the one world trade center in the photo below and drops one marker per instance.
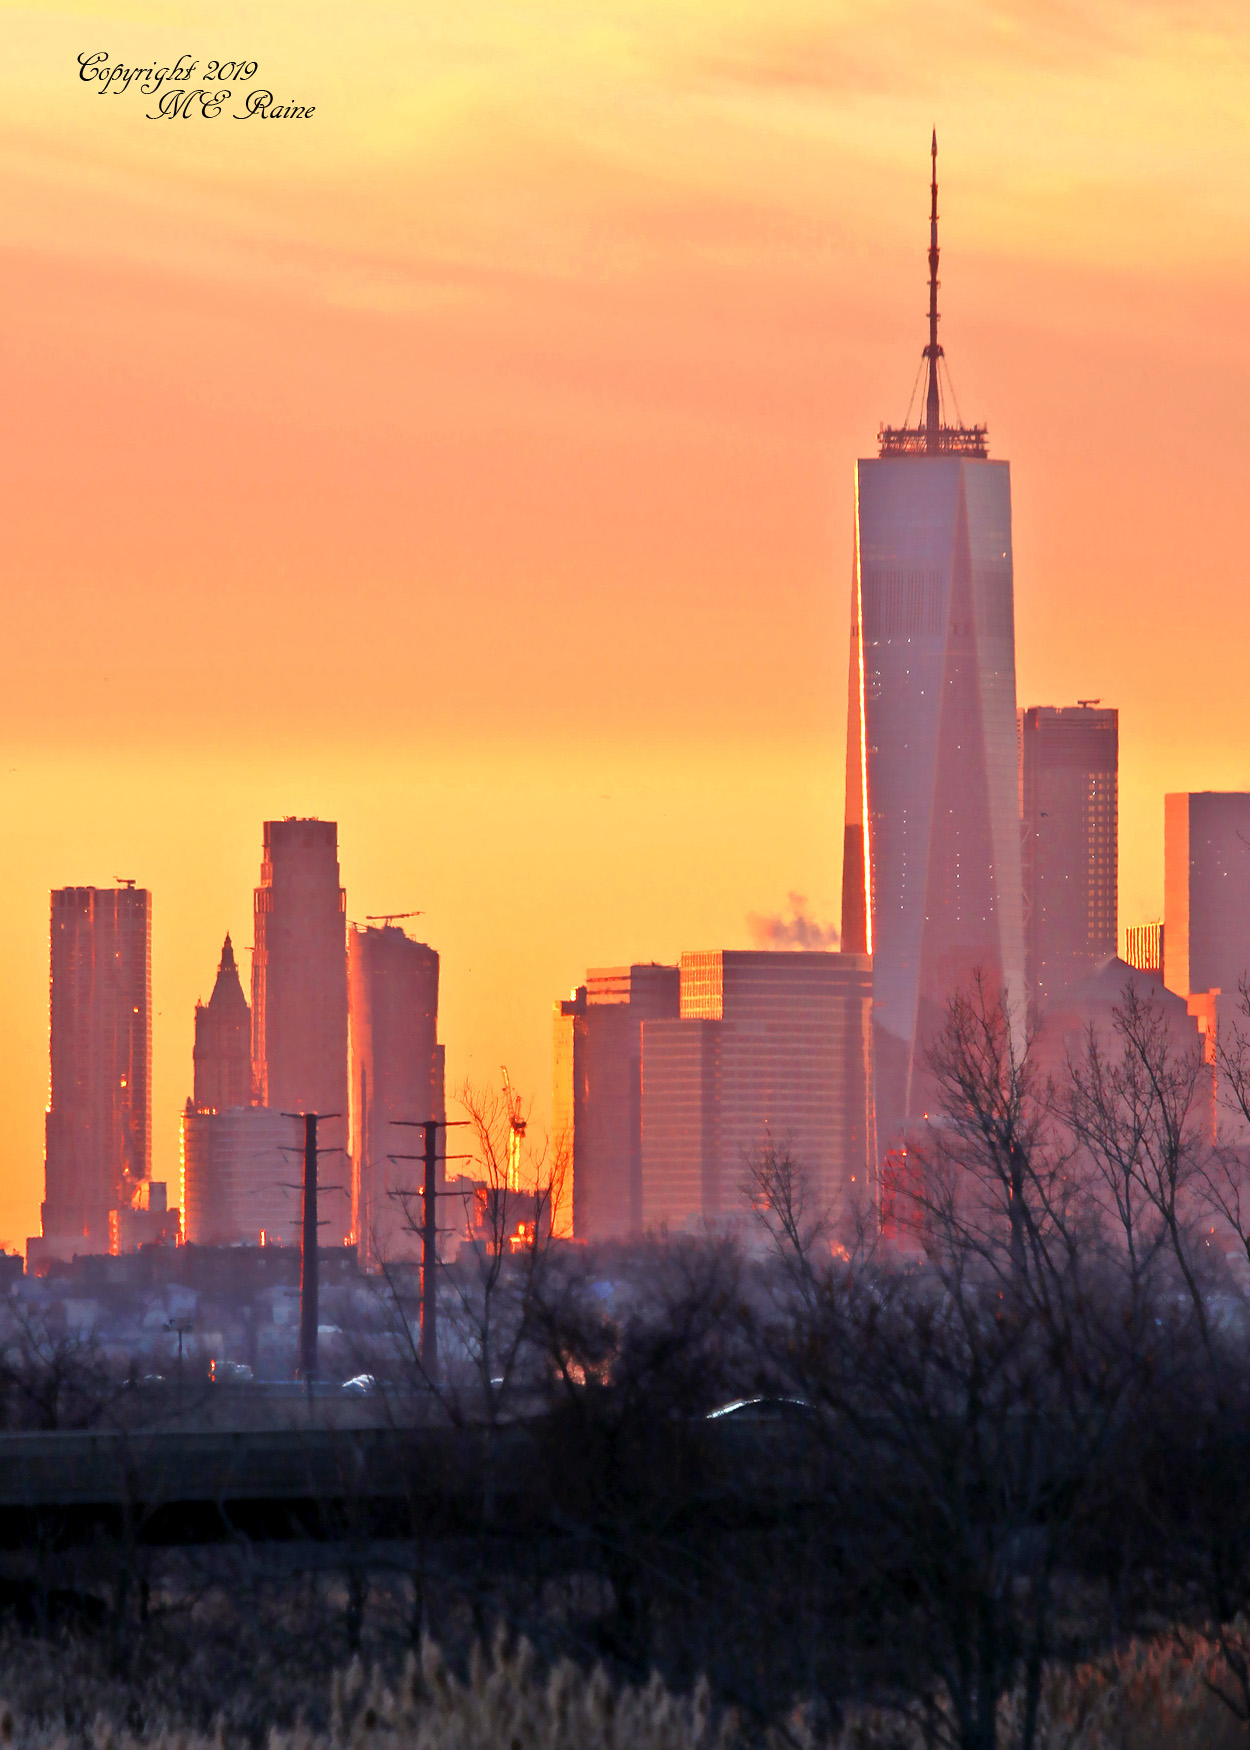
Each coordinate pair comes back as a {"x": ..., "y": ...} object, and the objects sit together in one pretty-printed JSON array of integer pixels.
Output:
[{"x": 931, "y": 873}]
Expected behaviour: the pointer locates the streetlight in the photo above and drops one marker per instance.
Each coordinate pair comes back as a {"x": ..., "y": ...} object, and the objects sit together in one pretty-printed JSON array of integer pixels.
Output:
[{"x": 183, "y": 1326}]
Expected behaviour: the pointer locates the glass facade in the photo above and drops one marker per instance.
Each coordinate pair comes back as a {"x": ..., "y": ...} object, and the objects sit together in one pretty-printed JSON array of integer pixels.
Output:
[
  {"x": 1069, "y": 776},
  {"x": 1206, "y": 890},
  {"x": 396, "y": 1078},
  {"x": 932, "y": 880},
  {"x": 299, "y": 992},
  {"x": 99, "y": 1120},
  {"x": 241, "y": 1171},
  {"x": 769, "y": 1045},
  {"x": 597, "y": 1094}
]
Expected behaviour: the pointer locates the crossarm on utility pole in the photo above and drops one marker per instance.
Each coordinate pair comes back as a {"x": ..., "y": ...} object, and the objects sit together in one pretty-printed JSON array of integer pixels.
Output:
[{"x": 429, "y": 1237}]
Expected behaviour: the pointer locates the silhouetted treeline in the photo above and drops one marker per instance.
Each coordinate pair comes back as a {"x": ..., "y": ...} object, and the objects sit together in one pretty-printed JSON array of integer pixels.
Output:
[{"x": 1015, "y": 1435}]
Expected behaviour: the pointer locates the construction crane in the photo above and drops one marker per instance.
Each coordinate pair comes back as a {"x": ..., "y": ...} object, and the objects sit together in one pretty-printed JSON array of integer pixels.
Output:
[
  {"x": 516, "y": 1130},
  {"x": 387, "y": 918}
]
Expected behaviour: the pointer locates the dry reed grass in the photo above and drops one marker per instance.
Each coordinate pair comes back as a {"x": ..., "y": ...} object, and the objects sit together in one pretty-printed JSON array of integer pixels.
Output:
[{"x": 1153, "y": 1695}]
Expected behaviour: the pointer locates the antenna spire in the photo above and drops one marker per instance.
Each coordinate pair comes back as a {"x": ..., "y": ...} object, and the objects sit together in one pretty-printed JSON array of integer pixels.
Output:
[
  {"x": 929, "y": 437},
  {"x": 933, "y": 352}
]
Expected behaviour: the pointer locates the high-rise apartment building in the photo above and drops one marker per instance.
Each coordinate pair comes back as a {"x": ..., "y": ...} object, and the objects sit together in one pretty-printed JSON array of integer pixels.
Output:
[
  {"x": 222, "y": 1054},
  {"x": 1069, "y": 774},
  {"x": 1206, "y": 891},
  {"x": 396, "y": 1074},
  {"x": 931, "y": 872},
  {"x": 597, "y": 1094},
  {"x": 768, "y": 1045},
  {"x": 299, "y": 995},
  {"x": 99, "y": 1122}
]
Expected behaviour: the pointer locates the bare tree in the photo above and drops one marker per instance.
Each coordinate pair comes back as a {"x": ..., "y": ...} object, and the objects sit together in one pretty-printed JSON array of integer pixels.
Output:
[
  {"x": 53, "y": 1378},
  {"x": 1137, "y": 1104},
  {"x": 783, "y": 1200},
  {"x": 977, "y": 1405}
]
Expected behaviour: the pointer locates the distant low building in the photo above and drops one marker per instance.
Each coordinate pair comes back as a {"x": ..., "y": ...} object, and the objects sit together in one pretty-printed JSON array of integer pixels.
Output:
[{"x": 148, "y": 1222}]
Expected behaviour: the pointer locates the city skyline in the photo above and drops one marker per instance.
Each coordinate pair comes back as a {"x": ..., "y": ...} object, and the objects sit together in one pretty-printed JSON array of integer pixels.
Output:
[{"x": 564, "y": 471}]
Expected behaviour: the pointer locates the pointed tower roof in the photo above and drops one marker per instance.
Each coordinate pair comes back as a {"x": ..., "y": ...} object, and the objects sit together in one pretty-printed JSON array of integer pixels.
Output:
[
  {"x": 228, "y": 991},
  {"x": 931, "y": 437}
]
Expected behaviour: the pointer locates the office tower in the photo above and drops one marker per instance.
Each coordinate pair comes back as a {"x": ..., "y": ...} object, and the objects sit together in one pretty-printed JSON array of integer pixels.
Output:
[
  {"x": 931, "y": 873},
  {"x": 1143, "y": 947},
  {"x": 1206, "y": 890},
  {"x": 681, "y": 1153},
  {"x": 299, "y": 996},
  {"x": 99, "y": 1122},
  {"x": 597, "y": 1096},
  {"x": 768, "y": 1045},
  {"x": 222, "y": 1054},
  {"x": 1069, "y": 766},
  {"x": 241, "y": 1173},
  {"x": 396, "y": 1074}
]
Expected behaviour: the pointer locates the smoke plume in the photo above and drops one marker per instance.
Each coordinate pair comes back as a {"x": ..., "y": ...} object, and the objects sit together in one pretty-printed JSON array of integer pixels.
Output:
[{"x": 796, "y": 931}]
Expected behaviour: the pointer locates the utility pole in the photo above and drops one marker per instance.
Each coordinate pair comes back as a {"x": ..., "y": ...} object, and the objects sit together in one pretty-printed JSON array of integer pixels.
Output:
[
  {"x": 183, "y": 1326},
  {"x": 308, "y": 1308},
  {"x": 429, "y": 1233},
  {"x": 429, "y": 1255}
]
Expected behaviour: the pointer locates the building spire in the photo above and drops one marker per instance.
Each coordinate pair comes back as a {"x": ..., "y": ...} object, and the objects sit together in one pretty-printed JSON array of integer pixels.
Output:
[
  {"x": 933, "y": 352},
  {"x": 929, "y": 437}
]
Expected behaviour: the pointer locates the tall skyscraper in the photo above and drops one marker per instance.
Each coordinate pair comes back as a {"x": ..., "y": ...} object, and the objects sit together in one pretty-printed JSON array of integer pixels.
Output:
[
  {"x": 931, "y": 872},
  {"x": 768, "y": 1045},
  {"x": 223, "y": 1042},
  {"x": 396, "y": 1073},
  {"x": 299, "y": 995},
  {"x": 597, "y": 1104},
  {"x": 99, "y": 1123},
  {"x": 1069, "y": 774},
  {"x": 1206, "y": 891}
]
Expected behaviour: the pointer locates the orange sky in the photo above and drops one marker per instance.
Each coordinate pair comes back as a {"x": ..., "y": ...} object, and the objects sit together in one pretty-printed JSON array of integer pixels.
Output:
[{"x": 471, "y": 463}]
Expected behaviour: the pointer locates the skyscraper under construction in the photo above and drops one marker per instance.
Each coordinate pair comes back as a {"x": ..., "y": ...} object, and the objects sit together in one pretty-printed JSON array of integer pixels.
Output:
[{"x": 931, "y": 875}]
